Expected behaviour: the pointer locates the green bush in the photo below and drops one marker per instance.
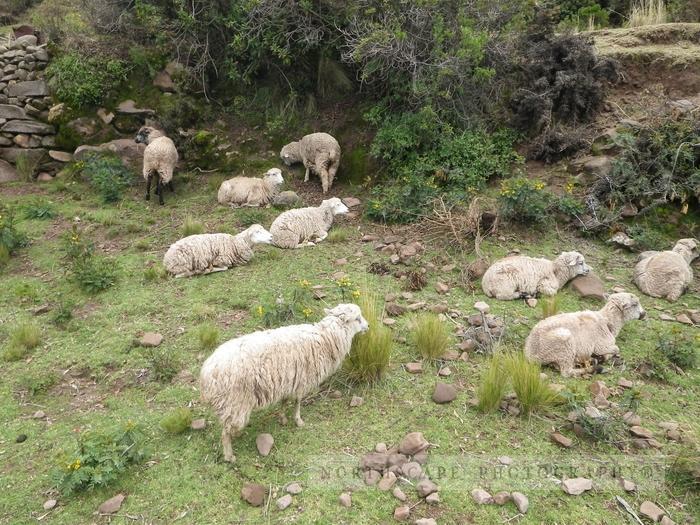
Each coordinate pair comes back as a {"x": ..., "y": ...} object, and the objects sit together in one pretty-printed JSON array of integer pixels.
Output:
[
  {"x": 249, "y": 217},
  {"x": 99, "y": 458},
  {"x": 533, "y": 392},
  {"x": 431, "y": 335},
  {"x": 23, "y": 338},
  {"x": 36, "y": 382},
  {"x": 296, "y": 306},
  {"x": 39, "y": 209},
  {"x": 163, "y": 364},
  {"x": 92, "y": 273},
  {"x": 108, "y": 175},
  {"x": 525, "y": 200},
  {"x": 83, "y": 81},
  {"x": 370, "y": 352},
  {"x": 494, "y": 383},
  {"x": 208, "y": 336},
  {"x": 10, "y": 238},
  {"x": 681, "y": 349},
  {"x": 177, "y": 421},
  {"x": 63, "y": 312}
]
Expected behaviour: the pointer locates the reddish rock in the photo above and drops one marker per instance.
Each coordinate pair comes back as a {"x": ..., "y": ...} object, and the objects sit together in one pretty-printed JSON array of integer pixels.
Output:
[{"x": 112, "y": 505}]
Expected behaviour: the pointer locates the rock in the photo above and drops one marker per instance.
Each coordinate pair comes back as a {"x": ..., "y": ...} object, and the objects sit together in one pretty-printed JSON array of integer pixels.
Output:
[
  {"x": 264, "y": 443},
  {"x": 394, "y": 309},
  {"x": 413, "y": 307},
  {"x": 521, "y": 502},
  {"x": 345, "y": 500},
  {"x": 674, "y": 435},
  {"x": 284, "y": 502},
  {"x": 651, "y": 511},
  {"x": 7, "y": 172},
  {"x": 576, "y": 486},
  {"x": 387, "y": 482},
  {"x": 380, "y": 447},
  {"x": 481, "y": 497},
  {"x": 683, "y": 318},
  {"x": 665, "y": 520},
  {"x": 441, "y": 287},
  {"x": 340, "y": 262},
  {"x": 164, "y": 82},
  {"x": 374, "y": 461},
  {"x": 622, "y": 239},
  {"x": 356, "y": 401},
  {"x": 50, "y": 504},
  {"x": 21, "y": 438},
  {"x": 561, "y": 440},
  {"x": 399, "y": 494},
  {"x": 599, "y": 388},
  {"x": 39, "y": 414},
  {"x": 501, "y": 498},
  {"x": 29, "y": 88},
  {"x": 254, "y": 494},
  {"x": 425, "y": 521},
  {"x": 368, "y": 237},
  {"x": 589, "y": 285},
  {"x": 151, "y": 339},
  {"x": 44, "y": 177},
  {"x": 413, "y": 368},
  {"x": 482, "y": 307},
  {"x": 444, "y": 393},
  {"x": 372, "y": 477},
  {"x": 294, "y": 488},
  {"x": 10, "y": 112},
  {"x": 531, "y": 302},
  {"x": 351, "y": 202},
  {"x": 627, "y": 485},
  {"x": 641, "y": 432},
  {"x": 666, "y": 317},
  {"x": 628, "y": 210},
  {"x": 505, "y": 460},
  {"x": 198, "y": 424},
  {"x": 668, "y": 425},
  {"x": 112, "y": 505},
  {"x": 27, "y": 126},
  {"x": 599, "y": 167},
  {"x": 60, "y": 156},
  {"x": 468, "y": 345},
  {"x": 412, "y": 470},
  {"x": 413, "y": 443},
  {"x": 444, "y": 371},
  {"x": 389, "y": 321},
  {"x": 425, "y": 487},
  {"x": 128, "y": 107},
  {"x": 631, "y": 419},
  {"x": 432, "y": 499},
  {"x": 625, "y": 383},
  {"x": 640, "y": 444},
  {"x": 401, "y": 513},
  {"x": 593, "y": 412}
]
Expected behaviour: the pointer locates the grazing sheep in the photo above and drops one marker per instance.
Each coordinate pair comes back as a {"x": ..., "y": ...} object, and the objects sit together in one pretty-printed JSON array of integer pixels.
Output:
[
  {"x": 213, "y": 252},
  {"x": 159, "y": 158},
  {"x": 569, "y": 339},
  {"x": 249, "y": 191},
  {"x": 666, "y": 274},
  {"x": 305, "y": 226},
  {"x": 520, "y": 277},
  {"x": 262, "y": 368},
  {"x": 319, "y": 152}
]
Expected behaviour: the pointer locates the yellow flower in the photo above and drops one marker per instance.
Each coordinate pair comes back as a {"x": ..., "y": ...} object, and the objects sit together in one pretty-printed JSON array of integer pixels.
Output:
[
  {"x": 304, "y": 283},
  {"x": 260, "y": 311},
  {"x": 356, "y": 294},
  {"x": 75, "y": 465},
  {"x": 344, "y": 282},
  {"x": 307, "y": 312},
  {"x": 130, "y": 425}
]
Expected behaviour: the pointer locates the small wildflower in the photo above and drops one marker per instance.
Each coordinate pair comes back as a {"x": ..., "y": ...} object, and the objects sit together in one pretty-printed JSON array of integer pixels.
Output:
[
  {"x": 307, "y": 312},
  {"x": 356, "y": 294},
  {"x": 304, "y": 283},
  {"x": 260, "y": 311}
]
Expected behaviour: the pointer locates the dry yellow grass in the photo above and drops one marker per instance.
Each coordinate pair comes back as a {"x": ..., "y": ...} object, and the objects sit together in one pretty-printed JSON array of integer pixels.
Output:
[{"x": 647, "y": 12}]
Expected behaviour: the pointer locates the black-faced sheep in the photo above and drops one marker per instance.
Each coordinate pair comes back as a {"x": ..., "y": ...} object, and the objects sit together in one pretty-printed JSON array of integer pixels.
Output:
[
  {"x": 519, "y": 276},
  {"x": 566, "y": 340},
  {"x": 249, "y": 191},
  {"x": 262, "y": 368},
  {"x": 667, "y": 274},
  {"x": 305, "y": 226},
  {"x": 319, "y": 152},
  {"x": 159, "y": 159}
]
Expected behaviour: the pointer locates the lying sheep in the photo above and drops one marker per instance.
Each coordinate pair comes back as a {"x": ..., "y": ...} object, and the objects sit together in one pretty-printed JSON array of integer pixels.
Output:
[
  {"x": 159, "y": 158},
  {"x": 305, "y": 226},
  {"x": 566, "y": 340},
  {"x": 249, "y": 191},
  {"x": 262, "y": 368},
  {"x": 319, "y": 152},
  {"x": 666, "y": 274},
  {"x": 214, "y": 252},
  {"x": 520, "y": 276}
]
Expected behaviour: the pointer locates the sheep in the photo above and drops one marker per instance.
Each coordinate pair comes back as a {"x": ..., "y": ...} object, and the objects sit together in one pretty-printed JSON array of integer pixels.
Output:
[
  {"x": 521, "y": 277},
  {"x": 249, "y": 191},
  {"x": 319, "y": 152},
  {"x": 666, "y": 274},
  {"x": 568, "y": 339},
  {"x": 305, "y": 226},
  {"x": 159, "y": 158},
  {"x": 214, "y": 252},
  {"x": 262, "y": 368}
]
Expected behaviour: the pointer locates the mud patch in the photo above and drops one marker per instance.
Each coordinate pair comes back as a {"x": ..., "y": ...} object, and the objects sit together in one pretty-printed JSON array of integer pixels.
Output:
[
  {"x": 81, "y": 390},
  {"x": 85, "y": 311},
  {"x": 232, "y": 318}
]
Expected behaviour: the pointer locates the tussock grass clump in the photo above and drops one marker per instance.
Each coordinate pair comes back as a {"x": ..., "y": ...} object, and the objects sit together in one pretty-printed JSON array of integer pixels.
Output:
[
  {"x": 155, "y": 273},
  {"x": 23, "y": 338},
  {"x": 177, "y": 421},
  {"x": 341, "y": 234},
  {"x": 494, "y": 383},
  {"x": 36, "y": 382},
  {"x": 208, "y": 336},
  {"x": 431, "y": 335},
  {"x": 647, "y": 13},
  {"x": 533, "y": 392},
  {"x": 191, "y": 226},
  {"x": 549, "y": 306},
  {"x": 684, "y": 472},
  {"x": 40, "y": 210},
  {"x": 370, "y": 352}
]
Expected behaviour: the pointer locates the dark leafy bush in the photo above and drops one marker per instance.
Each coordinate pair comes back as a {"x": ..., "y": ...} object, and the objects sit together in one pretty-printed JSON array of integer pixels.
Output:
[
  {"x": 92, "y": 273},
  {"x": 528, "y": 201},
  {"x": 681, "y": 350},
  {"x": 10, "y": 238},
  {"x": 108, "y": 175},
  {"x": 39, "y": 209}
]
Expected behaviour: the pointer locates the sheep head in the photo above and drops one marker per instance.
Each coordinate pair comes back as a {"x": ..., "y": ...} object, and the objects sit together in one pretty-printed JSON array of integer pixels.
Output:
[
  {"x": 290, "y": 153},
  {"x": 629, "y": 305},
  {"x": 688, "y": 249},
  {"x": 146, "y": 134},
  {"x": 573, "y": 264},
  {"x": 274, "y": 177},
  {"x": 256, "y": 234},
  {"x": 336, "y": 206},
  {"x": 349, "y": 316}
]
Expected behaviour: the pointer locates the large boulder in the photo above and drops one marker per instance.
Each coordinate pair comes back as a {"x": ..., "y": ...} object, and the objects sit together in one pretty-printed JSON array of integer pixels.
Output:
[
  {"x": 128, "y": 107},
  {"x": 127, "y": 150},
  {"x": 29, "y": 88},
  {"x": 27, "y": 126},
  {"x": 37, "y": 155},
  {"x": 589, "y": 285},
  {"x": 7, "y": 172},
  {"x": 9, "y": 112}
]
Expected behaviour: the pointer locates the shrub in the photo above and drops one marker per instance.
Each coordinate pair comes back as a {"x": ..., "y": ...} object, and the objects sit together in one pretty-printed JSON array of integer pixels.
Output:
[
  {"x": 298, "y": 306},
  {"x": 191, "y": 226},
  {"x": 654, "y": 365},
  {"x": 10, "y": 238},
  {"x": 370, "y": 352},
  {"x": 431, "y": 335},
  {"x": 494, "y": 382},
  {"x": 27, "y": 166},
  {"x": 683, "y": 473},
  {"x": 681, "y": 350},
  {"x": 99, "y": 458},
  {"x": 177, "y": 421},
  {"x": 92, "y": 273},
  {"x": 525, "y": 200},
  {"x": 163, "y": 364},
  {"x": 36, "y": 382},
  {"x": 83, "y": 81},
  {"x": 41, "y": 210},
  {"x": 549, "y": 306},
  {"x": 23, "y": 338},
  {"x": 208, "y": 336},
  {"x": 63, "y": 312},
  {"x": 608, "y": 428},
  {"x": 108, "y": 175},
  {"x": 340, "y": 234},
  {"x": 533, "y": 392}
]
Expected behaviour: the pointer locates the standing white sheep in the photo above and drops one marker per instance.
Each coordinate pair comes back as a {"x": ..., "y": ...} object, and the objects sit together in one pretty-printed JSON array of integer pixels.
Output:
[
  {"x": 213, "y": 252},
  {"x": 159, "y": 159},
  {"x": 666, "y": 274},
  {"x": 305, "y": 226},
  {"x": 249, "y": 191},
  {"x": 566, "y": 340},
  {"x": 319, "y": 152},
  {"x": 262, "y": 368},
  {"x": 519, "y": 276}
]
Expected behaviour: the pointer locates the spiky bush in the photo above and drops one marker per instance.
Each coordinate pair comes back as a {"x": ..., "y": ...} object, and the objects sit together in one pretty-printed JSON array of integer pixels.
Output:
[
  {"x": 208, "y": 336},
  {"x": 177, "y": 421},
  {"x": 431, "y": 336},
  {"x": 370, "y": 352},
  {"x": 494, "y": 383},
  {"x": 533, "y": 392}
]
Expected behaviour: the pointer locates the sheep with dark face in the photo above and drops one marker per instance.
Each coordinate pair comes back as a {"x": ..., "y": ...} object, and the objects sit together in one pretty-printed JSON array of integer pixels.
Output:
[
  {"x": 159, "y": 159},
  {"x": 319, "y": 152}
]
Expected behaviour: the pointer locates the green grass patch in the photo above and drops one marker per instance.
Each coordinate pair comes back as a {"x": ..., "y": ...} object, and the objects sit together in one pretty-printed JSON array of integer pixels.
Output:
[
  {"x": 370, "y": 352},
  {"x": 431, "y": 336}
]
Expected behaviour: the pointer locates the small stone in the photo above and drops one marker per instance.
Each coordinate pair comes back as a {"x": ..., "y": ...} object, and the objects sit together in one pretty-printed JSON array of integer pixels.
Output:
[
  {"x": 374, "y": 461},
  {"x": 666, "y": 317},
  {"x": 421, "y": 457},
  {"x": 631, "y": 419},
  {"x": 340, "y": 262},
  {"x": 674, "y": 435},
  {"x": 561, "y": 440},
  {"x": 683, "y": 318},
  {"x": 651, "y": 511},
  {"x": 425, "y": 521},
  {"x": 439, "y": 308},
  {"x": 399, "y": 494},
  {"x": 388, "y": 321},
  {"x": 112, "y": 505},
  {"x": 49, "y": 504},
  {"x": 394, "y": 309},
  {"x": 198, "y": 424},
  {"x": 44, "y": 177},
  {"x": 60, "y": 156},
  {"x": 414, "y": 307},
  {"x": 380, "y": 447},
  {"x": 294, "y": 488},
  {"x": 444, "y": 371},
  {"x": 482, "y": 307},
  {"x": 599, "y": 388},
  {"x": 501, "y": 498},
  {"x": 356, "y": 401},
  {"x": 401, "y": 513},
  {"x": 345, "y": 500},
  {"x": 640, "y": 444},
  {"x": 413, "y": 443},
  {"x": 432, "y": 499},
  {"x": 481, "y": 497},
  {"x": 665, "y": 520},
  {"x": 21, "y": 438},
  {"x": 641, "y": 432},
  {"x": 336, "y": 394},
  {"x": 151, "y": 339},
  {"x": 351, "y": 202},
  {"x": 444, "y": 393},
  {"x": 576, "y": 486},
  {"x": 451, "y": 355},
  {"x": 668, "y": 425},
  {"x": 387, "y": 482},
  {"x": 372, "y": 477},
  {"x": 441, "y": 287},
  {"x": 505, "y": 460},
  {"x": 627, "y": 485},
  {"x": 521, "y": 502},
  {"x": 531, "y": 302},
  {"x": 625, "y": 383},
  {"x": 368, "y": 237},
  {"x": 412, "y": 470},
  {"x": 264, "y": 443},
  {"x": 39, "y": 414},
  {"x": 284, "y": 502},
  {"x": 468, "y": 345},
  {"x": 413, "y": 368},
  {"x": 653, "y": 443},
  {"x": 593, "y": 412},
  {"x": 425, "y": 487}
]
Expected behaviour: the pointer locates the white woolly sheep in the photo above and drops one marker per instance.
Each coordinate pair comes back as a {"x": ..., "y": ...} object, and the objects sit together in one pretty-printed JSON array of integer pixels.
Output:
[
  {"x": 249, "y": 191},
  {"x": 666, "y": 274},
  {"x": 319, "y": 152},
  {"x": 213, "y": 252},
  {"x": 566, "y": 340},
  {"x": 305, "y": 226},
  {"x": 519, "y": 276},
  {"x": 159, "y": 158},
  {"x": 262, "y": 368}
]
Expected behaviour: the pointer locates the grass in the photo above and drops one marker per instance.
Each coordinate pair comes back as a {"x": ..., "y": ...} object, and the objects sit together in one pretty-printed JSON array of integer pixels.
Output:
[
  {"x": 431, "y": 336},
  {"x": 247, "y": 218},
  {"x": 370, "y": 352},
  {"x": 191, "y": 226},
  {"x": 647, "y": 12},
  {"x": 23, "y": 338},
  {"x": 27, "y": 166},
  {"x": 494, "y": 383},
  {"x": 534, "y": 393},
  {"x": 549, "y": 306},
  {"x": 177, "y": 421},
  {"x": 340, "y": 234},
  {"x": 208, "y": 336}
]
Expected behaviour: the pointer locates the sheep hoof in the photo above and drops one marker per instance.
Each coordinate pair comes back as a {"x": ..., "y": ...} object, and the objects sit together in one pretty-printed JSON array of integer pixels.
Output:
[
  {"x": 299, "y": 422},
  {"x": 230, "y": 459}
]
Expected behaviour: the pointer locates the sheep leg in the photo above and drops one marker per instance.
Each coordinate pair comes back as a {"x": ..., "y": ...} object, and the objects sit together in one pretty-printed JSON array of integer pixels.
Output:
[
  {"x": 306, "y": 175},
  {"x": 171, "y": 187},
  {"x": 297, "y": 414},
  {"x": 159, "y": 191},
  {"x": 148, "y": 186},
  {"x": 323, "y": 174},
  {"x": 331, "y": 174},
  {"x": 226, "y": 443}
]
